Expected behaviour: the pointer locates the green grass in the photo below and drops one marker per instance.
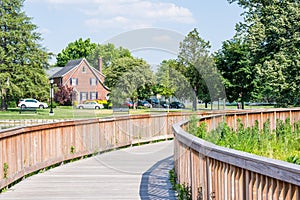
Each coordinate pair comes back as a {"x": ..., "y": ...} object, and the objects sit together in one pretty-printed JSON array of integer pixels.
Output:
[
  {"x": 61, "y": 112},
  {"x": 68, "y": 112}
]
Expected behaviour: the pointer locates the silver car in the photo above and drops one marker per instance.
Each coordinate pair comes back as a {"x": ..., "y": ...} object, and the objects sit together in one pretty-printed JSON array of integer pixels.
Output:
[{"x": 90, "y": 105}]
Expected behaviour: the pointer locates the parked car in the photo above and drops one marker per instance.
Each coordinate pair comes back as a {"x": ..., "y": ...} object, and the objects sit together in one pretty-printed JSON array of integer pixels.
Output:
[
  {"x": 144, "y": 104},
  {"x": 32, "y": 103},
  {"x": 90, "y": 105},
  {"x": 177, "y": 104},
  {"x": 164, "y": 104},
  {"x": 129, "y": 104},
  {"x": 153, "y": 102}
]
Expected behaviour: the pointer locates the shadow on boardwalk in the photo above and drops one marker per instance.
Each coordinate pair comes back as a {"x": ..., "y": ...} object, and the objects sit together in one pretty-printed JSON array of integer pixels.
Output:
[{"x": 155, "y": 184}]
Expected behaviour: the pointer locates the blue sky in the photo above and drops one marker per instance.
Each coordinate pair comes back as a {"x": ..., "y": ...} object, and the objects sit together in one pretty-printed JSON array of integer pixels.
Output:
[{"x": 63, "y": 21}]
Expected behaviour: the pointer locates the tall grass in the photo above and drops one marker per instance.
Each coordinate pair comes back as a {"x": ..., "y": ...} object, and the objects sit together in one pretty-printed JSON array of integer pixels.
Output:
[{"x": 283, "y": 143}]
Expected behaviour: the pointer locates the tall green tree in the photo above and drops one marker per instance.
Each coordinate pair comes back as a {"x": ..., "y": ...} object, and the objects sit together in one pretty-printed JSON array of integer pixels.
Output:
[
  {"x": 272, "y": 30},
  {"x": 129, "y": 78},
  {"x": 197, "y": 64},
  {"x": 165, "y": 85},
  {"x": 22, "y": 58},
  {"x": 108, "y": 53},
  {"x": 75, "y": 50},
  {"x": 239, "y": 77},
  {"x": 171, "y": 82}
]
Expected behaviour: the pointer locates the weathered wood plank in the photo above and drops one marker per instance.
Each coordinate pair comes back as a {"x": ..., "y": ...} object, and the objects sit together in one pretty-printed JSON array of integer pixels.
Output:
[{"x": 133, "y": 173}]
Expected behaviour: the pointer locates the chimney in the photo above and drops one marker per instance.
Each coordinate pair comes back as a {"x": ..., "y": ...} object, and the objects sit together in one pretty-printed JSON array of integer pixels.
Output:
[{"x": 100, "y": 64}]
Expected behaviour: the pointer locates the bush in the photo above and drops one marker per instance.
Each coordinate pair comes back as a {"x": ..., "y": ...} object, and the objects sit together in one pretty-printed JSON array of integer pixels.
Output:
[
  {"x": 54, "y": 104},
  {"x": 12, "y": 104}
]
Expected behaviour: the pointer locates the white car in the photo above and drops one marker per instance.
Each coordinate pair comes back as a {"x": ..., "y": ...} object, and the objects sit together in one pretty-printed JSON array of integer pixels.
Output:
[
  {"x": 32, "y": 103},
  {"x": 90, "y": 105}
]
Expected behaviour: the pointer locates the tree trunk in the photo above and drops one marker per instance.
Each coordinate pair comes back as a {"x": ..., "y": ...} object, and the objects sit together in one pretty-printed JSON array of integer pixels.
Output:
[
  {"x": 3, "y": 103},
  {"x": 194, "y": 101}
]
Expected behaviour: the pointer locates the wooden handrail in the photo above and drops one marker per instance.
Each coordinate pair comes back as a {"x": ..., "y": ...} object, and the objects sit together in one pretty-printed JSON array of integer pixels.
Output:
[
  {"x": 27, "y": 149},
  {"x": 215, "y": 172}
]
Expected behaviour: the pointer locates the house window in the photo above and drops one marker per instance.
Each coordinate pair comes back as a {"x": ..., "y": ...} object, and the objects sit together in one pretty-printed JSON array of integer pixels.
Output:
[
  {"x": 94, "y": 95},
  {"x": 73, "y": 81},
  {"x": 83, "y": 96},
  {"x": 83, "y": 69},
  {"x": 93, "y": 81}
]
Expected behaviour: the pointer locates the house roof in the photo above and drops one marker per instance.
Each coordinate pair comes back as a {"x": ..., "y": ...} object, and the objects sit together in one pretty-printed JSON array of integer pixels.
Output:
[
  {"x": 69, "y": 66},
  {"x": 51, "y": 71},
  {"x": 72, "y": 64}
]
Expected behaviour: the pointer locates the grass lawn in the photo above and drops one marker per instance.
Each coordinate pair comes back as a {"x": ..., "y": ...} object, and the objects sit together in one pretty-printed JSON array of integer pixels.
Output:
[
  {"x": 68, "y": 112},
  {"x": 61, "y": 112}
]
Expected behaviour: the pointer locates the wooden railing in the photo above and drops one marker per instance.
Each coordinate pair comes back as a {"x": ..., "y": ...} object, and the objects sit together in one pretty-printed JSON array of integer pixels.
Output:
[
  {"x": 28, "y": 149},
  {"x": 217, "y": 173}
]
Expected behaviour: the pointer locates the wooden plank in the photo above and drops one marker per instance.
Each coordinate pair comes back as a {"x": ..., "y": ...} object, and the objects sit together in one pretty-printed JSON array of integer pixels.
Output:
[{"x": 134, "y": 173}]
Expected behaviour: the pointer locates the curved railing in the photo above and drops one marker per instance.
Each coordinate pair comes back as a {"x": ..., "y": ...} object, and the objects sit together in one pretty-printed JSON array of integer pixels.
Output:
[
  {"x": 27, "y": 149},
  {"x": 215, "y": 172}
]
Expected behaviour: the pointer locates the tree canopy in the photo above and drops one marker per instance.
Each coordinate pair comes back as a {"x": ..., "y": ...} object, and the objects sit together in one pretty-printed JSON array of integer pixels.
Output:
[
  {"x": 22, "y": 58},
  {"x": 237, "y": 73},
  {"x": 129, "y": 78},
  {"x": 272, "y": 31},
  {"x": 171, "y": 82},
  {"x": 196, "y": 64},
  {"x": 75, "y": 50},
  {"x": 108, "y": 53}
]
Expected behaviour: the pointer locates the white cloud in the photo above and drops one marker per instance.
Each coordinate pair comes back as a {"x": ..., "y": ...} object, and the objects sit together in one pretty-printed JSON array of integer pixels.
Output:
[
  {"x": 139, "y": 13},
  {"x": 127, "y": 13},
  {"x": 44, "y": 31},
  {"x": 98, "y": 24}
]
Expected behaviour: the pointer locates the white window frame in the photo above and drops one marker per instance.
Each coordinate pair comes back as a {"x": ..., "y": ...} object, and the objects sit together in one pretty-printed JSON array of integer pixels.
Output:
[
  {"x": 93, "y": 81},
  {"x": 93, "y": 95}
]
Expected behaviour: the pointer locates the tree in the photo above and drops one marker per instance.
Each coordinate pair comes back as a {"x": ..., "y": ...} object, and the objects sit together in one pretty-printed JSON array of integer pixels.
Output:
[
  {"x": 238, "y": 75},
  {"x": 171, "y": 82},
  {"x": 108, "y": 53},
  {"x": 165, "y": 85},
  {"x": 272, "y": 29},
  {"x": 75, "y": 50},
  {"x": 64, "y": 95},
  {"x": 22, "y": 58},
  {"x": 198, "y": 64},
  {"x": 128, "y": 78}
]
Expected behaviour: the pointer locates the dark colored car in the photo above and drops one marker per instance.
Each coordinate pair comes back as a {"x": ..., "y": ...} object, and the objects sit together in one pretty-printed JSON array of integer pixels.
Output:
[
  {"x": 144, "y": 104},
  {"x": 153, "y": 102},
  {"x": 177, "y": 104},
  {"x": 164, "y": 104}
]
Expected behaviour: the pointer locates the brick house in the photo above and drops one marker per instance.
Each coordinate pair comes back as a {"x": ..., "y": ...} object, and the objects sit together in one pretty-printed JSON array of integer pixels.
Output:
[{"x": 86, "y": 81}]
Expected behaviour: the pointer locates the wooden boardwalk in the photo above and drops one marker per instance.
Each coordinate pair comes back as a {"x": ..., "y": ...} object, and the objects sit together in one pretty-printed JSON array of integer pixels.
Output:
[{"x": 132, "y": 173}]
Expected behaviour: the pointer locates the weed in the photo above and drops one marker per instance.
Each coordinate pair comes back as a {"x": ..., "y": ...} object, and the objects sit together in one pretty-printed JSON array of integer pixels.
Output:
[
  {"x": 72, "y": 149},
  {"x": 183, "y": 191},
  {"x": 5, "y": 170}
]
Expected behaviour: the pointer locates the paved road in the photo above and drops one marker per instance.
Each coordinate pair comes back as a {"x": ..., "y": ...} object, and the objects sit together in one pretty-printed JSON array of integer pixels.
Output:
[{"x": 133, "y": 173}]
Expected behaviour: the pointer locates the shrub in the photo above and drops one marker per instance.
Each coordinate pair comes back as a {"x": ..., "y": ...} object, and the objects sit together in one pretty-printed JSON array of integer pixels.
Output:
[{"x": 12, "y": 104}]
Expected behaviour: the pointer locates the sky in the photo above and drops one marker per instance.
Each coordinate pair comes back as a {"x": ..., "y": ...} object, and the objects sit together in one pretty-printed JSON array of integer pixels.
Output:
[{"x": 150, "y": 29}]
